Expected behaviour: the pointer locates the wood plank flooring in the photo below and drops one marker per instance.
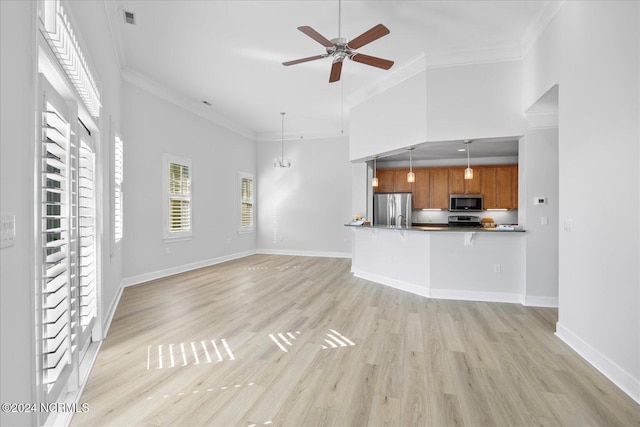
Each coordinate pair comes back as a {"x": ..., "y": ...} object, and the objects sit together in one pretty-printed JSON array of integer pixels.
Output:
[{"x": 298, "y": 341}]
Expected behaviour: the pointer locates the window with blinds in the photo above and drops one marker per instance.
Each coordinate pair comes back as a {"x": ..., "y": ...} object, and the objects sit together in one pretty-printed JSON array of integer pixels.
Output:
[
  {"x": 118, "y": 178},
  {"x": 246, "y": 202},
  {"x": 55, "y": 299},
  {"x": 66, "y": 303},
  {"x": 178, "y": 197},
  {"x": 86, "y": 236}
]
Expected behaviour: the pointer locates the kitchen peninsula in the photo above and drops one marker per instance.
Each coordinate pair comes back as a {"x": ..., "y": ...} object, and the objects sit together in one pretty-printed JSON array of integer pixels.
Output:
[{"x": 478, "y": 264}]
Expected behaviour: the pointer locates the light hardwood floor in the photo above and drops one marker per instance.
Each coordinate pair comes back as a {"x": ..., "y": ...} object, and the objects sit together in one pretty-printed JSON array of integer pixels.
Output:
[{"x": 298, "y": 341}]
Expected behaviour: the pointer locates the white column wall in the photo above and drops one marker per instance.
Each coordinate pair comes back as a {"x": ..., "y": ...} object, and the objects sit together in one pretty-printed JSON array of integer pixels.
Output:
[
  {"x": 592, "y": 50},
  {"x": 17, "y": 145}
]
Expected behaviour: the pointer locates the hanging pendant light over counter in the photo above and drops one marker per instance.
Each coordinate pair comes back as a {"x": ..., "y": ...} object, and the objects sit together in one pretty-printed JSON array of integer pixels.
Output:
[
  {"x": 374, "y": 180},
  {"x": 281, "y": 162},
  {"x": 468, "y": 172},
  {"x": 411, "y": 176}
]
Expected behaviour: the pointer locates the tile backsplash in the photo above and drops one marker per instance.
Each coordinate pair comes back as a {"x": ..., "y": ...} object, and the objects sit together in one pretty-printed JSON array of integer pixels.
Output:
[{"x": 441, "y": 217}]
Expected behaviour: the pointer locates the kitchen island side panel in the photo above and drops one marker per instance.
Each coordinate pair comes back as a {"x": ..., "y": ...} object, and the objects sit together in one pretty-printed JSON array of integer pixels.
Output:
[
  {"x": 478, "y": 266},
  {"x": 392, "y": 257}
]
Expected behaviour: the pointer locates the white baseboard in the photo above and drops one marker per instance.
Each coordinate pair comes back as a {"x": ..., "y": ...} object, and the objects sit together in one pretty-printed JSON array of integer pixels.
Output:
[
  {"x": 541, "y": 301},
  {"x": 621, "y": 378},
  {"x": 304, "y": 253},
  {"x": 146, "y": 277},
  {"x": 464, "y": 295},
  {"x": 112, "y": 310},
  {"x": 454, "y": 294},
  {"x": 392, "y": 283}
]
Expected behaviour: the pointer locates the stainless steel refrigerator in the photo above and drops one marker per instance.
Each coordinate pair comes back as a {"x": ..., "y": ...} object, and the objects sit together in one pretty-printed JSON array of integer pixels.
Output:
[{"x": 392, "y": 209}]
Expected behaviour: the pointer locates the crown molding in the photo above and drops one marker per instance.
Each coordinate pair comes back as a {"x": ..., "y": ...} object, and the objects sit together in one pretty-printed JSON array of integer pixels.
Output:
[
  {"x": 184, "y": 102},
  {"x": 412, "y": 68},
  {"x": 474, "y": 56},
  {"x": 546, "y": 15},
  {"x": 112, "y": 10}
]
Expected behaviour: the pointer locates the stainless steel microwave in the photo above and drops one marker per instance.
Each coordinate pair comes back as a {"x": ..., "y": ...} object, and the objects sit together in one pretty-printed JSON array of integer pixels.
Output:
[{"x": 465, "y": 202}]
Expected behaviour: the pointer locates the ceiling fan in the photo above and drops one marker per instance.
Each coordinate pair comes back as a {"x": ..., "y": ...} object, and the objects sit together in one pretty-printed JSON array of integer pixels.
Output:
[{"x": 341, "y": 48}]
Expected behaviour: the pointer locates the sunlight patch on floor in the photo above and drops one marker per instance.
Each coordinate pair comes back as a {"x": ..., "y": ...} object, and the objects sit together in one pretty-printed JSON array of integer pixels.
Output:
[
  {"x": 183, "y": 354},
  {"x": 335, "y": 339}
]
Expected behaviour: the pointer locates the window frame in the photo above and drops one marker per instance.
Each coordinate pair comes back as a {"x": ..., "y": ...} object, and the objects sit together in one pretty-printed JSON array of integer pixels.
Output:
[
  {"x": 167, "y": 234},
  {"x": 246, "y": 228}
]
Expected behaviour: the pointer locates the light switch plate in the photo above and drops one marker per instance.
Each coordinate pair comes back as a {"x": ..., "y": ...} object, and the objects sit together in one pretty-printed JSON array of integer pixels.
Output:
[{"x": 8, "y": 230}]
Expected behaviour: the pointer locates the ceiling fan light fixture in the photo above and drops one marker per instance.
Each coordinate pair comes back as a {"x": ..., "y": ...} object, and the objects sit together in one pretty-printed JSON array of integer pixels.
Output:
[{"x": 340, "y": 48}]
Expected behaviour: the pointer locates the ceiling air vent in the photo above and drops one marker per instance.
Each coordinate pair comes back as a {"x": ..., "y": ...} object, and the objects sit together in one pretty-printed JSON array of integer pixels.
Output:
[{"x": 129, "y": 17}]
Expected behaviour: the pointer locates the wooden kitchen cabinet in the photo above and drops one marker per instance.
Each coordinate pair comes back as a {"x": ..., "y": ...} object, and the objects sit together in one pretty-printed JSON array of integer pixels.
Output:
[
  {"x": 500, "y": 187},
  {"x": 385, "y": 180},
  {"x": 390, "y": 180},
  {"x": 421, "y": 189},
  {"x": 431, "y": 189},
  {"x": 459, "y": 185},
  {"x": 439, "y": 187},
  {"x": 400, "y": 180}
]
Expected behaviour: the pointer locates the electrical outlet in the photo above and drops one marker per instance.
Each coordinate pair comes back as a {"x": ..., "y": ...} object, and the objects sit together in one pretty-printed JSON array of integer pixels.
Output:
[
  {"x": 539, "y": 200},
  {"x": 544, "y": 220},
  {"x": 496, "y": 268}
]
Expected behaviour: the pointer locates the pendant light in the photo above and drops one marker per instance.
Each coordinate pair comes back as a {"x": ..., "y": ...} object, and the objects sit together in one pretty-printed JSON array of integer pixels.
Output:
[
  {"x": 281, "y": 162},
  {"x": 468, "y": 172},
  {"x": 411, "y": 176},
  {"x": 374, "y": 180}
]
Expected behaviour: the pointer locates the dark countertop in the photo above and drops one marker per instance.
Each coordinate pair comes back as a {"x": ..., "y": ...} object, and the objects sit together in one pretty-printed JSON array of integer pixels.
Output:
[{"x": 444, "y": 227}]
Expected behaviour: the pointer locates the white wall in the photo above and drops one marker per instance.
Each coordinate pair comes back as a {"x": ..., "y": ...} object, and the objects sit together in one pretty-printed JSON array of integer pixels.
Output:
[
  {"x": 152, "y": 127},
  {"x": 17, "y": 162},
  {"x": 539, "y": 178},
  {"x": 303, "y": 209},
  {"x": 475, "y": 101},
  {"x": 592, "y": 50},
  {"x": 440, "y": 104},
  {"x": 394, "y": 118}
]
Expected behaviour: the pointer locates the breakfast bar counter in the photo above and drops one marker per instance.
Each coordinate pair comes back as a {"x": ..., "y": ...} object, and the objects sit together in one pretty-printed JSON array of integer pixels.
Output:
[{"x": 464, "y": 263}]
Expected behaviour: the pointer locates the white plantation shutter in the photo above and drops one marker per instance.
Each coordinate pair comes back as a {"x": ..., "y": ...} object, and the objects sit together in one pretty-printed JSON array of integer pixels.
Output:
[
  {"x": 55, "y": 297},
  {"x": 118, "y": 180},
  {"x": 178, "y": 197},
  {"x": 246, "y": 202},
  {"x": 66, "y": 294},
  {"x": 86, "y": 232}
]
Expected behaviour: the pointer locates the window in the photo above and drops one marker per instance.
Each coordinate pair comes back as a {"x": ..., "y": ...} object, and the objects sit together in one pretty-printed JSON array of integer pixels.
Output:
[
  {"x": 246, "y": 202},
  {"x": 118, "y": 176},
  {"x": 177, "y": 188},
  {"x": 67, "y": 256}
]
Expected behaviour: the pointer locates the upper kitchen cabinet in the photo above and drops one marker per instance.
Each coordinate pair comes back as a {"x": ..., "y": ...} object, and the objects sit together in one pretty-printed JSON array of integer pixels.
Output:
[
  {"x": 459, "y": 185},
  {"x": 430, "y": 191},
  {"x": 439, "y": 187},
  {"x": 500, "y": 187},
  {"x": 392, "y": 180}
]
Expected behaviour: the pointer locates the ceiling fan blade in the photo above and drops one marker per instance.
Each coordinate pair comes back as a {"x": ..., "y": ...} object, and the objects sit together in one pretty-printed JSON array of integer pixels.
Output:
[
  {"x": 368, "y": 36},
  {"x": 336, "y": 70},
  {"x": 301, "y": 60},
  {"x": 316, "y": 36},
  {"x": 372, "y": 60}
]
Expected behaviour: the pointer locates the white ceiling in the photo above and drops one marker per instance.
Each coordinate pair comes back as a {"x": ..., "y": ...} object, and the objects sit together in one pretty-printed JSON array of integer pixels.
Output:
[{"x": 230, "y": 53}]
